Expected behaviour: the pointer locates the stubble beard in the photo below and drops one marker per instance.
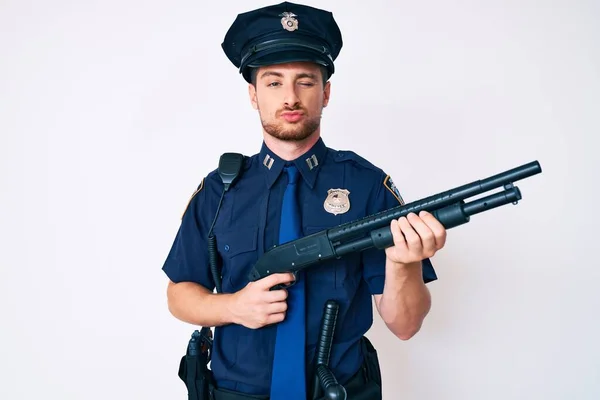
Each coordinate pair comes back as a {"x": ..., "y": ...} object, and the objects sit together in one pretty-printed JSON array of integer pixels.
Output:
[{"x": 292, "y": 132}]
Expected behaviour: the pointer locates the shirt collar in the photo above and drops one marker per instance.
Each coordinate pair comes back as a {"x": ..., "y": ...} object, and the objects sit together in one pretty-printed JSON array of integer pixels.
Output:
[{"x": 308, "y": 163}]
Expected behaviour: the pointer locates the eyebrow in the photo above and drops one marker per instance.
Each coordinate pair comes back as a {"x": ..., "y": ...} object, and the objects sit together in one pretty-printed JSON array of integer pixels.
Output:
[{"x": 280, "y": 75}]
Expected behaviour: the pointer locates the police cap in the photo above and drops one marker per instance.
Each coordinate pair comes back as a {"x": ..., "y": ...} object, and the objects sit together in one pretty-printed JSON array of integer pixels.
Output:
[{"x": 285, "y": 32}]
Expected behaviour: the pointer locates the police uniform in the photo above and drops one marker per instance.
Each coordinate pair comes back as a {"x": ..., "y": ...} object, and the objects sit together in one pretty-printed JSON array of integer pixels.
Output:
[{"x": 336, "y": 187}]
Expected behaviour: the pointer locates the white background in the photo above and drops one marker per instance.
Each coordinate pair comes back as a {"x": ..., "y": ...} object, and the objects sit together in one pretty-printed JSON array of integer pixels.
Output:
[{"x": 111, "y": 112}]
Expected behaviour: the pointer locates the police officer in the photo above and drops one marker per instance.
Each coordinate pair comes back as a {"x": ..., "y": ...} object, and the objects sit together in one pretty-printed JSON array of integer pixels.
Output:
[{"x": 286, "y": 54}]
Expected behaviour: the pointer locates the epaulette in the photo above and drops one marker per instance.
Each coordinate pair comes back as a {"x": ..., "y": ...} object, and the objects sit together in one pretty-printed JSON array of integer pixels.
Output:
[
  {"x": 198, "y": 189},
  {"x": 388, "y": 183},
  {"x": 349, "y": 155}
]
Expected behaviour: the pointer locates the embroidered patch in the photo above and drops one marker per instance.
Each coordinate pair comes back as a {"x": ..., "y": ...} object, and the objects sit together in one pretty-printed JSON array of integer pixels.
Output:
[
  {"x": 192, "y": 197},
  {"x": 389, "y": 184}
]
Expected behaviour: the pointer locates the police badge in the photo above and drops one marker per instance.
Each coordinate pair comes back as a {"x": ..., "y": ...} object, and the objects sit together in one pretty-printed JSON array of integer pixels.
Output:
[
  {"x": 337, "y": 201},
  {"x": 288, "y": 21}
]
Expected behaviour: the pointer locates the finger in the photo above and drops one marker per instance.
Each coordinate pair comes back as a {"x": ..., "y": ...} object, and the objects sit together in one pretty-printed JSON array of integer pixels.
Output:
[
  {"x": 275, "y": 318},
  {"x": 413, "y": 241},
  {"x": 398, "y": 236},
  {"x": 274, "y": 296},
  {"x": 436, "y": 227},
  {"x": 277, "y": 308},
  {"x": 274, "y": 279},
  {"x": 425, "y": 233}
]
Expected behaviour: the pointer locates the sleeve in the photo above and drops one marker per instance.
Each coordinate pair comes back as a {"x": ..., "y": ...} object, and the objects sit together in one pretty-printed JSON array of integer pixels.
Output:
[
  {"x": 386, "y": 196},
  {"x": 188, "y": 259}
]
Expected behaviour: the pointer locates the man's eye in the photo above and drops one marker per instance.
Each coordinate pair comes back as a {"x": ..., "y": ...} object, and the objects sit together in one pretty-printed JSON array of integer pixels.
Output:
[
  {"x": 306, "y": 83},
  {"x": 273, "y": 84}
]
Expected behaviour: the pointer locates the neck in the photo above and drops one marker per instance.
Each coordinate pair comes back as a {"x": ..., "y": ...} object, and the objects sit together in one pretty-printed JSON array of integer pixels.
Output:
[{"x": 289, "y": 149}]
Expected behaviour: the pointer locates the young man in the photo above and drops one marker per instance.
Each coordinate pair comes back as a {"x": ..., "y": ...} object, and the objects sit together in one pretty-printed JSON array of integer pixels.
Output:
[{"x": 265, "y": 340}]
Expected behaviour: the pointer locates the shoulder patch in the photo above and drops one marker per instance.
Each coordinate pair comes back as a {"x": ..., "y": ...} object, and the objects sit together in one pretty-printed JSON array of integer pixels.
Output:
[
  {"x": 200, "y": 187},
  {"x": 389, "y": 185}
]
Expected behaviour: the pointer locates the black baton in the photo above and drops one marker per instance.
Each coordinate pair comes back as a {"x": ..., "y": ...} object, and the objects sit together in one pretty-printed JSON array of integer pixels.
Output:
[{"x": 324, "y": 378}]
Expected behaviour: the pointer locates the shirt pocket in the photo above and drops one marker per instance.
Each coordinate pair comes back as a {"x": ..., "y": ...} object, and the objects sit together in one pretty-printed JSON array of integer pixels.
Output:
[{"x": 238, "y": 252}]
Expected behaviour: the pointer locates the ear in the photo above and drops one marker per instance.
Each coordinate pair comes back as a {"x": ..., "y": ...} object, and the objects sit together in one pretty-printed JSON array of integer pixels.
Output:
[
  {"x": 252, "y": 95},
  {"x": 326, "y": 93}
]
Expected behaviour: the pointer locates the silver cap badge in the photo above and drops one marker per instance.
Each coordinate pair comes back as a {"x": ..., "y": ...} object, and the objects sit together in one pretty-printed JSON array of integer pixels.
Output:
[
  {"x": 337, "y": 201},
  {"x": 288, "y": 21}
]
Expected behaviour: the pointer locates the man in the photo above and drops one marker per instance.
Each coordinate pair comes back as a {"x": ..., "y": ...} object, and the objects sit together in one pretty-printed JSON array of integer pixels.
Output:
[{"x": 286, "y": 53}]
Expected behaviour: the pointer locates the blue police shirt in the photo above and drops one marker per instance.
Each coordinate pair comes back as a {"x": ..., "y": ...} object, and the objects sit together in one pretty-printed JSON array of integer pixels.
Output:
[{"x": 247, "y": 225}]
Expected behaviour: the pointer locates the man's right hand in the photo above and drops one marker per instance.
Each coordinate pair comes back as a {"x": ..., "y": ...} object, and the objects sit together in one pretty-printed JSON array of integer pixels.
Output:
[{"x": 256, "y": 305}]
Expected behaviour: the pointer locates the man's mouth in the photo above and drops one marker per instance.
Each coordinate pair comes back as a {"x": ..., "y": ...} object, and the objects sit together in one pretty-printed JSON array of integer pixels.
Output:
[{"x": 291, "y": 116}]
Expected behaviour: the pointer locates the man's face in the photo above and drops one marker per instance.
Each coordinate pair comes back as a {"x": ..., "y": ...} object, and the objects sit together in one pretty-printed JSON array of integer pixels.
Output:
[{"x": 290, "y": 99}]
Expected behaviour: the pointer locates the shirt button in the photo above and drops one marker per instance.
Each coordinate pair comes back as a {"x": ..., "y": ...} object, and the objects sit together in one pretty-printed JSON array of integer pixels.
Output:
[{"x": 226, "y": 247}]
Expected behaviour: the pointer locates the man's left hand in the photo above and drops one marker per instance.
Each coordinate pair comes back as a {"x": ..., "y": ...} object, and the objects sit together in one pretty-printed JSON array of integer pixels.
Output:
[{"x": 416, "y": 237}]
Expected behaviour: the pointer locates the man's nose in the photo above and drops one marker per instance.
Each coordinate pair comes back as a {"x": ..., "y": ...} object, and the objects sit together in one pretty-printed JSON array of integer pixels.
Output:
[{"x": 291, "y": 97}]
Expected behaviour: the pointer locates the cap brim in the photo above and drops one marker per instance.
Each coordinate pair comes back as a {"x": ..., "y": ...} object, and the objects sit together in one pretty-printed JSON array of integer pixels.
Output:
[{"x": 281, "y": 57}]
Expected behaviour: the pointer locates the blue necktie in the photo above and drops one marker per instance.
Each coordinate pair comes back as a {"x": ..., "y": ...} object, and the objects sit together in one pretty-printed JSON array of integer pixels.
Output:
[{"x": 288, "y": 380}]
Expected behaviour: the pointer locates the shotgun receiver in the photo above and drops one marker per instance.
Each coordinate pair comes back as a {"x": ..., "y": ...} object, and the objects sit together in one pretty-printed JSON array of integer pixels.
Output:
[{"x": 448, "y": 207}]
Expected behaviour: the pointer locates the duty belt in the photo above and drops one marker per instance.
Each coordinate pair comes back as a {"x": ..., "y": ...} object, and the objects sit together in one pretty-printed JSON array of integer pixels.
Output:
[{"x": 357, "y": 388}]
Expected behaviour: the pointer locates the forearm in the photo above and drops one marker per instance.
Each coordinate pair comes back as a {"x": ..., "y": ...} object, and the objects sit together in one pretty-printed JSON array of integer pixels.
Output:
[
  {"x": 406, "y": 300},
  {"x": 194, "y": 304}
]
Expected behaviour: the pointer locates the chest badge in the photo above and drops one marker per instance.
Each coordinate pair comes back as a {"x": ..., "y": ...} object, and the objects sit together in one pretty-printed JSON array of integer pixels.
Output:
[{"x": 337, "y": 201}]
